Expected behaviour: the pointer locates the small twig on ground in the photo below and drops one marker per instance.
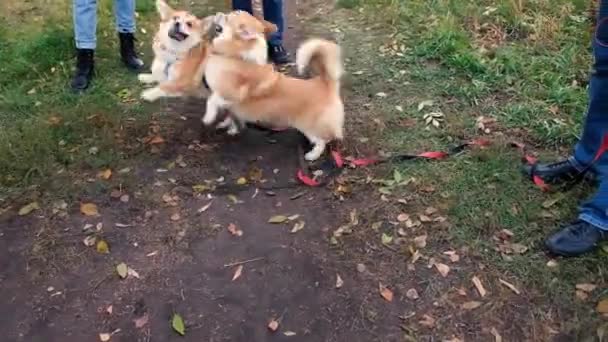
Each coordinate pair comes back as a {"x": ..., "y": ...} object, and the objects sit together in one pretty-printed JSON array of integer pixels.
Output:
[{"x": 243, "y": 262}]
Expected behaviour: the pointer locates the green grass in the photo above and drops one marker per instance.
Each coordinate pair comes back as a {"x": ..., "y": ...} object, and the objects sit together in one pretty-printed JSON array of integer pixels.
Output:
[{"x": 532, "y": 80}]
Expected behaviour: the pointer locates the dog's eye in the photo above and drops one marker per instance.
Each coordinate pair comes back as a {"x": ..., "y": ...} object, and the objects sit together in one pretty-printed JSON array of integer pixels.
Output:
[
  {"x": 218, "y": 29},
  {"x": 189, "y": 24}
]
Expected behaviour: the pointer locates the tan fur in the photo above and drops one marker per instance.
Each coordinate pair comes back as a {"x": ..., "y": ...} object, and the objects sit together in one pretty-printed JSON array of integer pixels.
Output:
[
  {"x": 258, "y": 93},
  {"x": 178, "y": 66}
]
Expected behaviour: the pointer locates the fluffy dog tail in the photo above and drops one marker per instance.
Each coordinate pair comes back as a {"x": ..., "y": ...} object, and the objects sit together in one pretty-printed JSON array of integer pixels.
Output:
[{"x": 323, "y": 57}]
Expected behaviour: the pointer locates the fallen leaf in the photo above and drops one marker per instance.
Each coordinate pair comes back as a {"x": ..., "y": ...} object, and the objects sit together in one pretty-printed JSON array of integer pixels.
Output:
[
  {"x": 586, "y": 287},
  {"x": 430, "y": 211},
  {"x": 339, "y": 281},
  {"x": 582, "y": 295},
  {"x": 141, "y": 321},
  {"x": 420, "y": 241},
  {"x": 273, "y": 325},
  {"x": 385, "y": 292},
  {"x": 131, "y": 272},
  {"x": 156, "y": 140},
  {"x": 427, "y": 321},
  {"x": 178, "y": 324},
  {"x": 237, "y": 272},
  {"x": 204, "y": 208},
  {"x": 122, "y": 270},
  {"x": 241, "y": 181},
  {"x": 109, "y": 309},
  {"x": 412, "y": 294},
  {"x": 454, "y": 257},
  {"x": 471, "y": 305},
  {"x": 89, "y": 240},
  {"x": 424, "y": 218},
  {"x": 386, "y": 239},
  {"x": 54, "y": 120},
  {"x": 105, "y": 174},
  {"x": 479, "y": 286},
  {"x": 552, "y": 263},
  {"x": 376, "y": 225},
  {"x": 234, "y": 230},
  {"x": 175, "y": 217},
  {"x": 602, "y": 306},
  {"x": 102, "y": 247},
  {"x": 104, "y": 337},
  {"x": 298, "y": 226},
  {"x": 124, "y": 198},
  {"x": 278, "y": 219},
  {"x": 289, "y": 333},
  {"x": 28, "y": 208},
  {"x": 361, "y": 268},
  {"x": 423, "y": 104},
  {"x": 497, "y": 337},
  {"x": 89, "y": 209},
  {"x": 381, "y": 94},
  {"x": 403, "y": 217},
  {"x": 443, "y": 269},
  {"x": 510, "y": 286},
  {"x": 518, "y": 248}
]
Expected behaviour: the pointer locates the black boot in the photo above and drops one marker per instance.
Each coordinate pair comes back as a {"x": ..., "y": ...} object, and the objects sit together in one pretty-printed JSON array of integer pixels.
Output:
[
  {"x": 578, "y": 238},
  {"x": 277, "y": 54},
  {"x": 85, "y": 67},
  {"x": 127, "y": 51},
  {"x": 555, "y": 173}
]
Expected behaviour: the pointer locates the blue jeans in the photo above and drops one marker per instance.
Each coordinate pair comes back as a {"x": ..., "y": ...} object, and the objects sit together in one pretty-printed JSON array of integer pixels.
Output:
[
  {"x": 595, "y": 210},
  {"x": 273, "y": 12},
  {"x": 85, "y": 20}
]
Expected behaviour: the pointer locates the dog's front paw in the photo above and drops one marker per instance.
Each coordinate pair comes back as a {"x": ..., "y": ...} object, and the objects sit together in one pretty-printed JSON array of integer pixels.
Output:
[
  {"x": 207, "y": 119},
  {"x": 152, "y": 94},
  {"x": 146, "y": 78},
  {"x": 312, "y": 155}
]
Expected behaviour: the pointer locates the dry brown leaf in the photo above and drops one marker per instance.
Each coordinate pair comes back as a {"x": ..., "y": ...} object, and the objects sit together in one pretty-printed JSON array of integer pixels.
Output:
[
  {"x": 462, "y": 291},
  {"x": 602, "y": 306},
  {"x": 156, "y": 140},
  {"x": 497, "y": 337},
  {"x": 443, "y": 269},
  {"x": 420, "y": 241},
  {"x": 424, "y": 218},
  {"x": 339, "y": 281},
  {"x": 403, "y": 217},
  {"x": 510, "y": 286},
  {"x": 105, "y": 174},
  {"x": 237, "y": 272},
  {"x": 273, "y": 325},
  {"x": 141, "y": 321},
  {"x": 385, "y": 292},
  {"x": 234, "y": 230},
  {"x": 454, "y": 257},
  {"x": 28, "y": 208},
  {"x": 582, "y": 295},
  {"x": 479, "y": 286},
  {"x": 89, "y": 209},
  {"x": 586, "y": 287},
  {"x": 412, "y": 294},
  {"x": 471, "y": 305},
  {"x": 427, "y": 321}
]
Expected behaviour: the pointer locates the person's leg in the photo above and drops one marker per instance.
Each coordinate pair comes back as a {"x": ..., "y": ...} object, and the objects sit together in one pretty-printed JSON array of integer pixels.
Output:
[
  {"x": 273, "y": 12},
  {"x": 84, "y": 14},
  {"x": 124, "y": 11},
  {"x": 592, "y": 227},
  {"x": 243, "y": 5}
]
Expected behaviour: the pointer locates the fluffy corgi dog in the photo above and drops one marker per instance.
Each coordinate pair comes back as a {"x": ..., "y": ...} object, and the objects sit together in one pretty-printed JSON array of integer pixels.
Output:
[
  {"x": 258, "y": 93},
  {"x": 180, "y": 48}
]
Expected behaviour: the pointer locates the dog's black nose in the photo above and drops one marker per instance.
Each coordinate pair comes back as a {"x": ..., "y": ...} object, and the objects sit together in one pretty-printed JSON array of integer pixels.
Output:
[{"x": 177, "y": 26}]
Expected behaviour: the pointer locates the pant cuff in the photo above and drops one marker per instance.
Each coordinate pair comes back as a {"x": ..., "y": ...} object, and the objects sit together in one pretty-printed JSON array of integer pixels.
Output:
[
  {"x": 125, "y": 29},
  {"x": 594, "y": 221},
  {"x": 86, "y": 45}
]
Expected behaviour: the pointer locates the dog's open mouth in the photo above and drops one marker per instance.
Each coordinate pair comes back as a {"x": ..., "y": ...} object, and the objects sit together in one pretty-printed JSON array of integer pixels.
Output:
[{"x": 177, "y": 35}]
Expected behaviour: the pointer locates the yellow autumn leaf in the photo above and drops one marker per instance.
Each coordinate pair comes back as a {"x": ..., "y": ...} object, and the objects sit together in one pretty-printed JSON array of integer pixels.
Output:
[
  {"x": 102, "y": 247},
  {"x": 28, "y": 208},
  {"x": 105, "y": 174},
  {"x": 89, "y": 209}
]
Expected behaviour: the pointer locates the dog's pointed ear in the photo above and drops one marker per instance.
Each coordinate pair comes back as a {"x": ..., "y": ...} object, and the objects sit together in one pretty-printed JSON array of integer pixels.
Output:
[
  {"x": 269, "y": 28},
  {"x": 165, "y": 11}
]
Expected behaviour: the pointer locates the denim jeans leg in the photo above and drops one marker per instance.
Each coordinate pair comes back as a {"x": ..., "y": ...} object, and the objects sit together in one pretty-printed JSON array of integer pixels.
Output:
[
  {"x": 124, "y": 12},
  {"x": 84, "y": 13},
  {"x": 594, "y": 211},
  {"x": 243, "y": 5},
  {"x": 273, "y": 12}
]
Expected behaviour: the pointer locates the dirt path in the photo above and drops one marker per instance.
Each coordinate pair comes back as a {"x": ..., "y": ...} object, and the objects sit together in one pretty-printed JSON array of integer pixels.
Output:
[{"x": 57, "y": 289}]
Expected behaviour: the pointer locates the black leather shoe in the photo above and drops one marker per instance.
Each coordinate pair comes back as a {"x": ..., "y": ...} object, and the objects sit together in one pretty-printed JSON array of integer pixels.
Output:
[
  {"x": 553, "y": 173},
  {"x": 277, "y": 54},
  {"x": 578, "y": 238},
  {"x": 85, "y": 68},
  {"x": 127, "y": 52}
]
